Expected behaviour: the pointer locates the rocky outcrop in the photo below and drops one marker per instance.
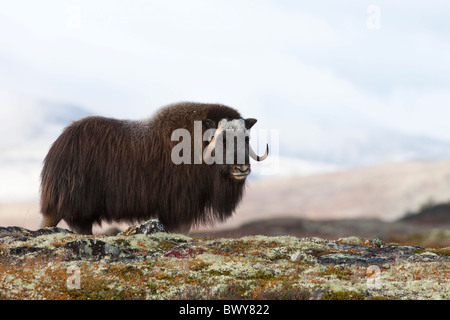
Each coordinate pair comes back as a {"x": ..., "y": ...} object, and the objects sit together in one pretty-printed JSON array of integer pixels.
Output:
[
  {"x": 21, "y": 241},
  {"x": 149, "y": 227},
  {"x": 146, "y": 262}
]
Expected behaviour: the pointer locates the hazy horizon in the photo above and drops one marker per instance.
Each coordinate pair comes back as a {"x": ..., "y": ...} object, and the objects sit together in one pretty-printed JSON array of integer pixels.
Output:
[{"x": 344, "y": 84}]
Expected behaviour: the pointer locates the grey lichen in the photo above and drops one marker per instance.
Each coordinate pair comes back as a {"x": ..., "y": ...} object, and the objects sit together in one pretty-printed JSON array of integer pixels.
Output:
[{"x": 170, "y": 266}]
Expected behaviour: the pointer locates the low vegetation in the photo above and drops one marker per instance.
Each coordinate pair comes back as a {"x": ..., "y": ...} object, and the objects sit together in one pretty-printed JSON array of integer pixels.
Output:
[{"x": 166, "y": 266}]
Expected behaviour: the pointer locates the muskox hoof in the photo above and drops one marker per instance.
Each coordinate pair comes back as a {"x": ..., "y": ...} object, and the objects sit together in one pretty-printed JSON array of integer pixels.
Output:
[{"x": 148, "y": 227}]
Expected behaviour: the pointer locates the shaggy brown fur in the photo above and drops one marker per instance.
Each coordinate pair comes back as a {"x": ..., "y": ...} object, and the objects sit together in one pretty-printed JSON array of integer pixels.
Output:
[{"x": 102, "y": 169}]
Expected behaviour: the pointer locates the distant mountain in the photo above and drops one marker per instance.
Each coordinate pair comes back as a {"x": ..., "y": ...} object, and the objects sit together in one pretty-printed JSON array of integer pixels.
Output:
[
  {"x": 430, "y": 214},
  {"x": 386, "y": 192},
  {"x": 344, "y": 138},
  {"x": 365, "y": 147}
]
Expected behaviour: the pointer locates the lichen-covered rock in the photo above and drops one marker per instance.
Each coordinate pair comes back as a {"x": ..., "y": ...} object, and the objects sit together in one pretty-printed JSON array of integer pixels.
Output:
[
  {"x": 18, "y": 232},
  {"x": 349, "y": 259},
  {"x": 14, "y": 232},
  {"x": 92, "y": 248},
  {"x": 148, "y": 227},
  {"x": 140, "y": 264}
]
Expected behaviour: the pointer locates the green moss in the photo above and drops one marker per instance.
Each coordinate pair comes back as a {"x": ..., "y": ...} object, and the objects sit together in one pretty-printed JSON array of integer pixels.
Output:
[
  {"x": 338, "y": 272},
  {"x": 167, "y": 245},
  {"x": 151, "y": 288},
  {"x": 122, "y": 242},
  {"x": 237, "y": 246},
  {"x": 130, "y": 272},
  {"x": 263, "y": 275},
  {"x": 219, "y": 272},
  {"x": 169, "y": 236},
  {"x": 235, "y": 291},
  {"x": 383, "y": 298},
  {"x": 419, "y": 250},
  {"x": 201, "y": 266},
  {"x": 442, "y": 252},
  {"x": 343, "y": 295}
]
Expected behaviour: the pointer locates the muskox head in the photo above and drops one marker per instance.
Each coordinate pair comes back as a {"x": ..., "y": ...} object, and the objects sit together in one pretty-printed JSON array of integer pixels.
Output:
[{"x": 229, "y": 147}]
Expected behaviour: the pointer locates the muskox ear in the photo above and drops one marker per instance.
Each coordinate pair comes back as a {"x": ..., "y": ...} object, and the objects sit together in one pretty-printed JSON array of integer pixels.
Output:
[{"x": 249, "y": 122}]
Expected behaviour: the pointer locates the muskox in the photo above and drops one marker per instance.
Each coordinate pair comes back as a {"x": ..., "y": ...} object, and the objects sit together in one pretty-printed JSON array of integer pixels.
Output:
[{"x": 103, "y": 169}]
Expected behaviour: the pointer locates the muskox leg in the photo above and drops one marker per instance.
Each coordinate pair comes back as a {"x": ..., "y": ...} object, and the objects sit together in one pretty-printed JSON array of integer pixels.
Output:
[{"x": 49, "y": 221}]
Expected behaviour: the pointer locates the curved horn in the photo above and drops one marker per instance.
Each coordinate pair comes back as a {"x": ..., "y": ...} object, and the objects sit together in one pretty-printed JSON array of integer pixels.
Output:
[
  {"x": 212, "y": 145},
  {"x": 258, "y": 158}
]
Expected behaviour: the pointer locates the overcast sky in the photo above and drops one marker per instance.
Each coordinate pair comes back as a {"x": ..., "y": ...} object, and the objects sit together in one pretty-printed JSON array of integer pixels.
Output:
[
  {"x": 288, "y": 63},
  {"x": 386, "y": 60}
]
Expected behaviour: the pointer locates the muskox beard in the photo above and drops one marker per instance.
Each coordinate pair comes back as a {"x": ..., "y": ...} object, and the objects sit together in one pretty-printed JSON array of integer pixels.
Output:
[{"x": 228, "y": 193}]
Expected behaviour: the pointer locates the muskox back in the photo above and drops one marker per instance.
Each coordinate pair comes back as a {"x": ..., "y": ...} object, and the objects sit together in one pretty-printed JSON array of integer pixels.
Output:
[{"x": 102, "y": 169}]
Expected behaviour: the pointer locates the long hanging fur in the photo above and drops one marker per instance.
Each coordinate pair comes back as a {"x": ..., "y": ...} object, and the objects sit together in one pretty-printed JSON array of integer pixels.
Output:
[{"x": 102, "y": 169}]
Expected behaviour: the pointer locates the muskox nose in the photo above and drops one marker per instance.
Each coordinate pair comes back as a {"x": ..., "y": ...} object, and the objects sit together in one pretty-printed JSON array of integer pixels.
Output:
[
  {"x": 240, "y": 172},
  {"x": 243, "y": 169}
]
